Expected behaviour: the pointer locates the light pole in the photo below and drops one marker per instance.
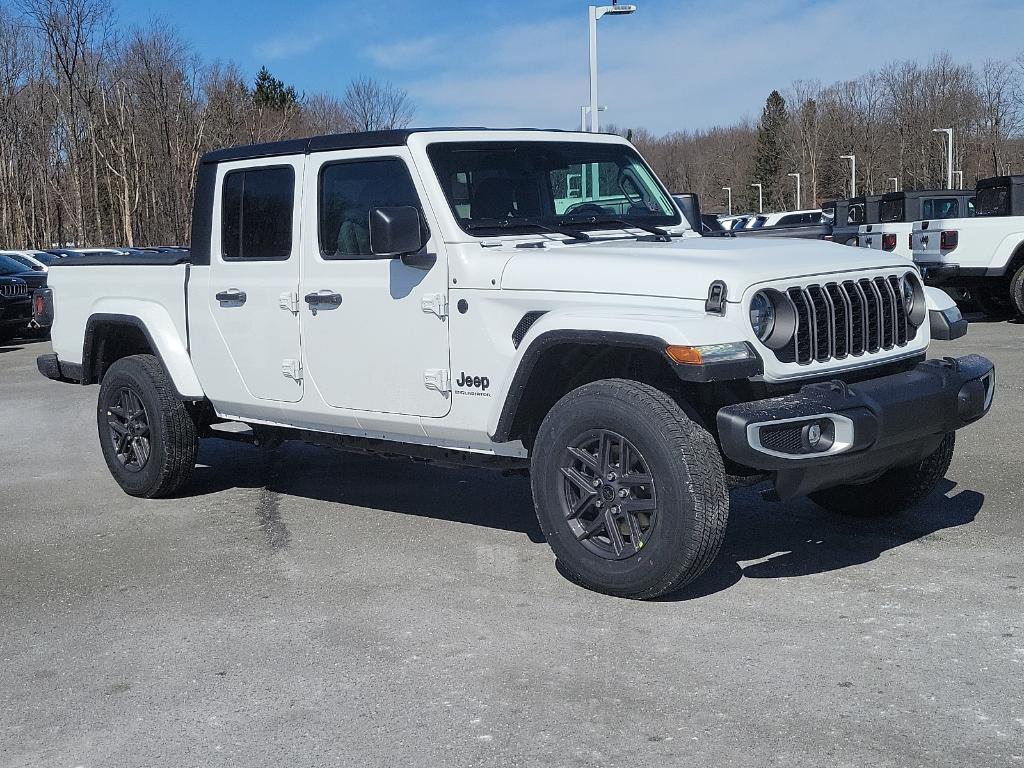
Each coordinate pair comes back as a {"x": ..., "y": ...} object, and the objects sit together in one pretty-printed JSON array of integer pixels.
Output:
[
  {"x": 760, "y": 197},
  {"x": 797, "y": 177},
  {"x": 949, "y": 154},
  {"x": 853, "y": 173},
  {"x": 960, "y": 179},
  {"x": 596, "y": 12},
  {"x": 895, "y": 183},
  {"x": 584, "y": 111},
  {"x": 729, "y": 191}
]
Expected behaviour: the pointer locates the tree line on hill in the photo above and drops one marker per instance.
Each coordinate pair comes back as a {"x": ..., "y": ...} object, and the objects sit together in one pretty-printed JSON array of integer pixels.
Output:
[
  {"x": 101, "y": 130},
  {"x": 885, "y": 118}
]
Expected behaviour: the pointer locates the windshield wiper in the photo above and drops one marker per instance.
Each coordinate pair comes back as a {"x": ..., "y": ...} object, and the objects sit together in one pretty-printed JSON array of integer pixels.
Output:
[
  {"x": 658, "y": 232},
  {"x": 559, "y": 228}
]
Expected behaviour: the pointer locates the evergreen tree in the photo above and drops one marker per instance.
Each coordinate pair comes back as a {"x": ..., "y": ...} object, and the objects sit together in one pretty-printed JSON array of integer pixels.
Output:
[
  {"x": 771, "y": 153},
  {"x": 273, "y": 93}
]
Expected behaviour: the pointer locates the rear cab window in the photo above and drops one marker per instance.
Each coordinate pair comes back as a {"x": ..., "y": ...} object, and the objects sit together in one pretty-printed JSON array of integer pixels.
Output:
[
  {"x": 992, "y": 201},
  {"x": 941, "y": 208},
  {"x": 891, "y": 211}
]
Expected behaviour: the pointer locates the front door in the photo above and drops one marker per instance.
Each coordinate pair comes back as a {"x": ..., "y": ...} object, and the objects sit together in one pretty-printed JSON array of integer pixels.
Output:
[
  {"x": 375, "y": 332},
  {"x": 254, "y": 276}
]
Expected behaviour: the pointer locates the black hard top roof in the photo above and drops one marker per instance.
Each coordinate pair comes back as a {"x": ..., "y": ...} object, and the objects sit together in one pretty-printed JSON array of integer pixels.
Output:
[
  {"x": 1000, "y": 181},
  {"x": 360, "y": 140},
  {"x": 913, "y": 193}
]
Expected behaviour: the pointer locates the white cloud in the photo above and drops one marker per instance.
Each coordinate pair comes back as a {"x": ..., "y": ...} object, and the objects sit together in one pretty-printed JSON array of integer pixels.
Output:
[
  {"x": 684, "y": 66},
  {"x": 290, "y": 44},
  {"x": 406, "y": 53}
]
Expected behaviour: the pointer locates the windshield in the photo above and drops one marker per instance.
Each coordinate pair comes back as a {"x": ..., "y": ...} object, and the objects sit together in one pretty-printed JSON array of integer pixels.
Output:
[
  {"x": 10, "y": 266},
  {"x": 509, "y": 186}
]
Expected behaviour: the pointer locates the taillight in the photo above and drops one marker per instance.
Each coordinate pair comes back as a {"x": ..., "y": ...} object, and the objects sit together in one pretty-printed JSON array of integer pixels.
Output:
[
  {"x": 40, "y": 306},
  {"x": 949, "y": 239},
  {"x": 888, "y": 241},
  {"x": 910, "y": 241}
]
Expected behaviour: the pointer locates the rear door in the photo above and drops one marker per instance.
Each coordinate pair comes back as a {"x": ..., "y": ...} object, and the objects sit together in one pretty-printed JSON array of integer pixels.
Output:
[
  {"x": 254, "y": 275},
  {"x": 375, "y": 331}
]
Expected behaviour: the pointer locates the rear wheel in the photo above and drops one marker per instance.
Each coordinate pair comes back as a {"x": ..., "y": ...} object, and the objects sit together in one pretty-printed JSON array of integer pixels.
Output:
[
  {"x": 629, "y": 491},
  {"x": 1017, "y": 291},
  {"x": 147, "y": 436},
  {"x": 893, "y": 492}
]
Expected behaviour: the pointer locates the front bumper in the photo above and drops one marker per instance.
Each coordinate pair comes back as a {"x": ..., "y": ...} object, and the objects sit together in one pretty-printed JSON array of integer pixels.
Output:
[{"x": 835, "y": 433}]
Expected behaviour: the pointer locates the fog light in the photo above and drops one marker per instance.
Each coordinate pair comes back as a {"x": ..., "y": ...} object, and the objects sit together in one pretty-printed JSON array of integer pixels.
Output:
[
  {"x": 814, "y": 435},
  {"x": 818, "y": 436}
]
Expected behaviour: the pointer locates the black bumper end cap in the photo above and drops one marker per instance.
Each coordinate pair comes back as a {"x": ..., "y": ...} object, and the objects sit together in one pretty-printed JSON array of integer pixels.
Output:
[
  {"x": 947, "y": 325},
  {"x": 52, "y": 368}
]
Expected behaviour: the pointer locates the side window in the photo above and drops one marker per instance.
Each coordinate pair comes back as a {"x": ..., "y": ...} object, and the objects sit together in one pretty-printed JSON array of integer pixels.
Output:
[
  {"x": 348, "y": 190},
  {"x": 256, "y": 214}
]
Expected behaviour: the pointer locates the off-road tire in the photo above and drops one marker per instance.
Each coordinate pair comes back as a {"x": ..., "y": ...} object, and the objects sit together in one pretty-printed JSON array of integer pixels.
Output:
[
  {"x": 1017, "y": 291},
  {"x": 173, "y": 438},
  {"x": 895, "y": 491},
  {"x": 684, "y": 463}
]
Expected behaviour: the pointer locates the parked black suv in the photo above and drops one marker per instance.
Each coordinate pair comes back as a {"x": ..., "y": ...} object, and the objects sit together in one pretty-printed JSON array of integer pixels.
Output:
[{"x": 15, "y": 307}]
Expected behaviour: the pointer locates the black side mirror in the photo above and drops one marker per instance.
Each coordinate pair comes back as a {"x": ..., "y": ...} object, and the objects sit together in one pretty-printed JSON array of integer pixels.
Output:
[{"x": 395, "y": 231}]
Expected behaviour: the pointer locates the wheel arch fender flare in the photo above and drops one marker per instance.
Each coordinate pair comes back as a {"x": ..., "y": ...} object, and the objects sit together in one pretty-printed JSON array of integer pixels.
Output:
[
  {"x": 1008, "y": 256},
  {"x": 164, "y": 340},
  {"x": 645, "y": 330}
]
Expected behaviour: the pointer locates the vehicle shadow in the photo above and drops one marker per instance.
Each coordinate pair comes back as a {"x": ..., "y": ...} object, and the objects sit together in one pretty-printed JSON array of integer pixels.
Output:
[
  {"x": 19, "y": 343},
  {"x": 782, "y": 540},
  {"x": 764, "y": 540},
  {"x": 473, "y": 496}
]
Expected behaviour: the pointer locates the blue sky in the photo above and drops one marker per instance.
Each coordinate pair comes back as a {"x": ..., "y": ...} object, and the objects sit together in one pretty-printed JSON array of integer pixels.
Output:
[{"x": 674, "y": 64}]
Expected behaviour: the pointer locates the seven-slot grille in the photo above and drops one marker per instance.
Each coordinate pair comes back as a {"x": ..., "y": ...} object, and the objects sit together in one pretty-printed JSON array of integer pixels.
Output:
[
  {"x": 13, "y": 290},
  {"x": 852, "y": 317}
]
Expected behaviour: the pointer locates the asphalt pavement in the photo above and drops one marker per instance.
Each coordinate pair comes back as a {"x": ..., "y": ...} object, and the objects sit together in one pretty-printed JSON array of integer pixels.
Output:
[{"x": 300, "y": 607}]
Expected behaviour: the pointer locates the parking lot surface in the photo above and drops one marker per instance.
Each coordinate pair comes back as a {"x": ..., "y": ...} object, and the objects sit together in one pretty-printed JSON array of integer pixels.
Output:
[{"x": 302, "y": 607}]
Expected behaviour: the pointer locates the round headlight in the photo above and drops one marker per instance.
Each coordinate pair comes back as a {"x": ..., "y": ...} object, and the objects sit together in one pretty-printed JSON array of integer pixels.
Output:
[
  {"x": 909, "y": 294},
  {"x": 762, "y": 315}
]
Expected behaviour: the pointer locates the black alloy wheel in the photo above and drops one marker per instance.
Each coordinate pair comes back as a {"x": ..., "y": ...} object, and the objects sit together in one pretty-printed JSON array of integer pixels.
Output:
[
  {"x": 608, "y": 494},
  {"x": 129, "y": 430}
]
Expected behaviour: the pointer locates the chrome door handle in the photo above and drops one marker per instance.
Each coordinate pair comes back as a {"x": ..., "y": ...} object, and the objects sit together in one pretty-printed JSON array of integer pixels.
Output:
[{"x": 231, "y": 296}]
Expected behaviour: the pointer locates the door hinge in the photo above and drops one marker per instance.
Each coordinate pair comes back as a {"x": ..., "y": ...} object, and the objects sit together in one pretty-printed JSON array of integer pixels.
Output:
[
  {"x": 292, "y": 369},
  {"x": 436, "y": 303},
  {"x": 290, "y": 301},
  {"x": 438, "y": 379}
]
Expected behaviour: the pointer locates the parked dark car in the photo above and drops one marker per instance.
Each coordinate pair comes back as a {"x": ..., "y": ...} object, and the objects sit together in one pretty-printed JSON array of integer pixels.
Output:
[
  {"x": 10, "y": 267},
  {"x": 15, "y": 307}
]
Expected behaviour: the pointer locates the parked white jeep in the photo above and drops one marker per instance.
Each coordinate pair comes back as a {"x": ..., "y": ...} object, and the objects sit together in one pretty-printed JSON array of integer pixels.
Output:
[
  {"x": 897, "y": 212},
  {"x": 983, "y": 254},
  {"x": 519, "y": 300}
]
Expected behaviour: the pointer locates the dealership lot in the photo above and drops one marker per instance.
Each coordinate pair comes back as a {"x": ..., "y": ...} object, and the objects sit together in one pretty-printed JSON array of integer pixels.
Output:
[{"x": 304, "y": 607}]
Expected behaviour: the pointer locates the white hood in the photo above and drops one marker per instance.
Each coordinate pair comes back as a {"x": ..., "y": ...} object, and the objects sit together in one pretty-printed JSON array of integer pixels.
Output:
[{"x": 684, "y": 268}]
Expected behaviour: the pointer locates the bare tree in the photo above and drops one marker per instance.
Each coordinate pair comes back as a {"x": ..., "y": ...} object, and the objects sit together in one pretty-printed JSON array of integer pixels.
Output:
[{"x": 371, "y": 106}]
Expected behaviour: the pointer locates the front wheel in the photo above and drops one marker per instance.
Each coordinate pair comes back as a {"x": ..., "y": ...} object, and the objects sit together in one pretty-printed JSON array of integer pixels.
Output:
[
  {"x": 147, "y": 436},
  {"x": 629, "y": 491},
  {"x": 893, "y": 492}
]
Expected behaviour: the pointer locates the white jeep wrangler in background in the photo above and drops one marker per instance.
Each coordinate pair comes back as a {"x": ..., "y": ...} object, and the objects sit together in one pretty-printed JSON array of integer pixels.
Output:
[
  {"x": 519, "y": 300},
  {"x": 981, "y": 254}
]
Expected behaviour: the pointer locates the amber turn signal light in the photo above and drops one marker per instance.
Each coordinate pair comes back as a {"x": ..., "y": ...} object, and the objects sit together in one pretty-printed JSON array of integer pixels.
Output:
[{"x": 685, "y": 355}]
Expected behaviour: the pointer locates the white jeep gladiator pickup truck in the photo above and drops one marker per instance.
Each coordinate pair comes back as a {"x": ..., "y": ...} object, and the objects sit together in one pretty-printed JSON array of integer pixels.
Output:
[
  {"x": 524, "y": 300},
  {"x": 897, "y": 212},
  {"x": 983, "y": 254}
]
